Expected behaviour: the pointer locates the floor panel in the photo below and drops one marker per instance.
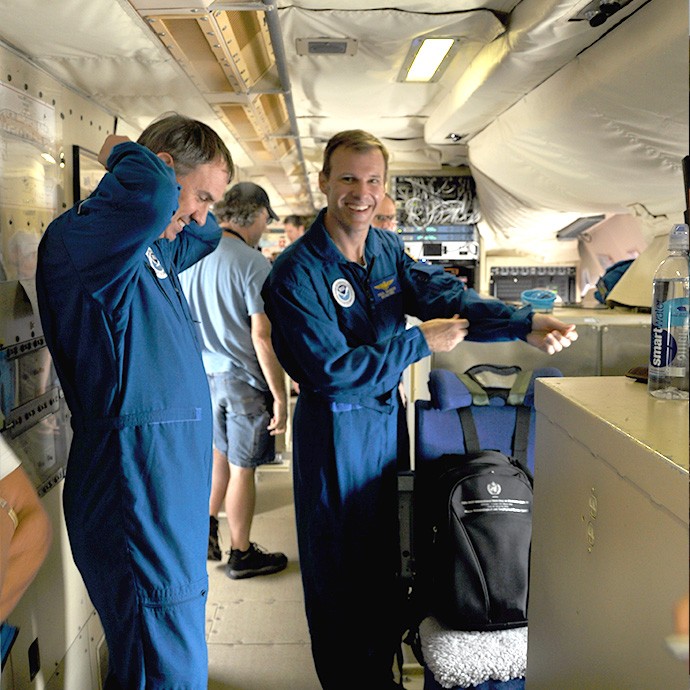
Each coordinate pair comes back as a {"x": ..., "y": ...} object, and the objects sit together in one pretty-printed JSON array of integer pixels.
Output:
[{"x": 256, "y": 628}]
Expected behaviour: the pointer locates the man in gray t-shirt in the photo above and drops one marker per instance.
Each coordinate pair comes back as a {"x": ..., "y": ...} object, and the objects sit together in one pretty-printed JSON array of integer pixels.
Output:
[{"x": 247, "y": 383}]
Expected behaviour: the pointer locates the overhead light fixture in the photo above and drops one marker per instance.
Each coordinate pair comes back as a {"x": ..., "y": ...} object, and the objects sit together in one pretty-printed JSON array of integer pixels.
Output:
[
  {"x": 577, "y": 227},
  {"x": 596, "y": 12},
  {"x": 427, "y": 59}
]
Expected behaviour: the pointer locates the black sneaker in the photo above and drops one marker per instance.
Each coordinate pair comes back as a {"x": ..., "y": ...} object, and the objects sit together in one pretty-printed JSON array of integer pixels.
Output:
[
  {"x": 214, "y": 553},
  {"x": 254, "y": 561}
]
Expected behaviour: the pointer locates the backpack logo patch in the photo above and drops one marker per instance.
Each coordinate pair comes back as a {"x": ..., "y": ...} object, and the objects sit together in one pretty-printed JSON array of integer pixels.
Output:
[{"x": 494, "y": 488}]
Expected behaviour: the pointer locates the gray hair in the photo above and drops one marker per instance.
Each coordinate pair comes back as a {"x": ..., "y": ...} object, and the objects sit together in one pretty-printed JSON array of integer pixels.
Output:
[
  {"x": 240, "y": 212},
  {"x": 190, "y": 143}
]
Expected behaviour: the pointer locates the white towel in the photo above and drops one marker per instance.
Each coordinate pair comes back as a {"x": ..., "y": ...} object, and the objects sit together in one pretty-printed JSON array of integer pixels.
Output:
[{"x": 459, "y": 658}]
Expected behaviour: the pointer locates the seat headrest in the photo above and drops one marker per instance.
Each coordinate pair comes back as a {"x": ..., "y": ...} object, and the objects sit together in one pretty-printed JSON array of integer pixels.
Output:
[
  {"x": 536, "y": 374},
  {"x": 447, "y": 391}
]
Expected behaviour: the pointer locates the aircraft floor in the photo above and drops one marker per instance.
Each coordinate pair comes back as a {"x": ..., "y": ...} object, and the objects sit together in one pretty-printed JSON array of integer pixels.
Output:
[{"x": 256, "y": 629}]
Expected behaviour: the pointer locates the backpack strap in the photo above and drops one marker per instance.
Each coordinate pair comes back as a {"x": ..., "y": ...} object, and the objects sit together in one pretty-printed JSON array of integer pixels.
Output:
[
  {"x": 416, "y": 609},
  {"x": 479, "y": 395},
  {"x": 521, "y": 434},
  {"x": 516, "y": 397},
  {"x": 469, "y": 430},
  {"x": 522, "y": 414},
  {"x": 519, "y": 388}
]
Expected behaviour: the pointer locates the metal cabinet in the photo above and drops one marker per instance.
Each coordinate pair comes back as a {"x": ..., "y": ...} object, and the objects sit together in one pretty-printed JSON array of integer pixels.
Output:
[{"x": 609, "y": 536}]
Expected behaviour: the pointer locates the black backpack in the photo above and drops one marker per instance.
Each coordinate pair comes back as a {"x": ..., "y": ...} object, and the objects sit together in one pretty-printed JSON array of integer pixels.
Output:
[
  {"x": 469, "y": 567},
  {"x": 472, "y": 535}
]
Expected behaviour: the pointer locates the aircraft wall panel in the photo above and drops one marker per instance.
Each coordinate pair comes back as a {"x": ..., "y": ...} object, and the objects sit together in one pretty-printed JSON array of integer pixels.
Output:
[{"x": 40, "y": 122}]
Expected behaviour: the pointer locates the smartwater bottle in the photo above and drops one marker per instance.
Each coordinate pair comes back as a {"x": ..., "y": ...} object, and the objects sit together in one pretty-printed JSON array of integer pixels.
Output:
[{"x": 668, "y": 356}]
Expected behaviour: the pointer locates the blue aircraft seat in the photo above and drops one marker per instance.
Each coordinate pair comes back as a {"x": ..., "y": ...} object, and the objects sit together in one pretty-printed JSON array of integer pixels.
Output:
[{"x": 439, "y": 431}]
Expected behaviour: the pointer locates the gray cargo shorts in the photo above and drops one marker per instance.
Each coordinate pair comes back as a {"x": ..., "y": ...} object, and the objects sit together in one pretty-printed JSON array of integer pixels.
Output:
[{"x": 241, "y": 414}]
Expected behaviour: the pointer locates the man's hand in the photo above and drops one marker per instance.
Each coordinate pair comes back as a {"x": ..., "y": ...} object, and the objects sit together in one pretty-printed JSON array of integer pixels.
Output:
[
  {"x": 549, "y": 334},
  {"x": 278, "y": 422},
  {"x": 442, "y": 335},
  {"x": 110, "y": 142}
]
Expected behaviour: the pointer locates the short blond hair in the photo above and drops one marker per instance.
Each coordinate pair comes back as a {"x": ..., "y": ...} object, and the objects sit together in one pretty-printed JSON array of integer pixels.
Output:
[{"x": 357, "y": 140}]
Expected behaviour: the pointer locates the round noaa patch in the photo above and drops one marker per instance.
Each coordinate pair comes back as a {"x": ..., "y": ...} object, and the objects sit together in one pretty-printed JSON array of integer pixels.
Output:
[
  {"x": 155, "y": 264},
  {"x": 343, "y": 293}
]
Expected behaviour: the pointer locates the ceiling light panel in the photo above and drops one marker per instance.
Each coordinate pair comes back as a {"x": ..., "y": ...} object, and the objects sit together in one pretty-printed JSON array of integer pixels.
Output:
[{"x": 427, "y": 59}]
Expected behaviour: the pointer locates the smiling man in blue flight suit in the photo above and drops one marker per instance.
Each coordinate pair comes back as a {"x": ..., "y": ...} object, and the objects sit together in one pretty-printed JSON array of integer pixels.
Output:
[
  {"x": 337, "y": 300},
  {"x": 125, "y": 350}
]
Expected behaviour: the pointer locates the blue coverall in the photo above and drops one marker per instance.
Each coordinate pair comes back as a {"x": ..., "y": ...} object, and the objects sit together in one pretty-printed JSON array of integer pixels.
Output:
[
  {"x": 339, "y": 331},
  {"x": 139, "y": 471}
]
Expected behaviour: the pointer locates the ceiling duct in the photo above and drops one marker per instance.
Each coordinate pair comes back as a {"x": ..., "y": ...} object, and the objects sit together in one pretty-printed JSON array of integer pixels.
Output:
[
  {"x": 234, "y": 55},
  {"x": 326, "y": 46},
  {"x": 219, "y": 51}
]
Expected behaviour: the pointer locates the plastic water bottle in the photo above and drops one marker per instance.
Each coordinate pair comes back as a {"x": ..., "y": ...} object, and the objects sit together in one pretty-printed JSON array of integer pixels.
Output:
[{"x": 668, "y": 356}]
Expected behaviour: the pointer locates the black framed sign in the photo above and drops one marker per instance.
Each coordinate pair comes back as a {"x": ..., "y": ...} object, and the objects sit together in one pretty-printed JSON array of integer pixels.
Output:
[{"x": 86, "y": 172}]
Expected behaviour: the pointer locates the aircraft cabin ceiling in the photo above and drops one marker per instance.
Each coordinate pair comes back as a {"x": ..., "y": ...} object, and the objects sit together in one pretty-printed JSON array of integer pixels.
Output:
[{"x": 532, "y": 98}]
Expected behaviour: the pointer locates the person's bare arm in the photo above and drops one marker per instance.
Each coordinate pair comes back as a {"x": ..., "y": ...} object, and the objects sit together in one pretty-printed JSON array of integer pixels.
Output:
[
  {"x": 23, "y": 549},
  {"x": 110, "y": 142},
  {"x": 549, "y": 334},
  {"x": 442, "y": 335},
  {"x": 272, "y": 371}
]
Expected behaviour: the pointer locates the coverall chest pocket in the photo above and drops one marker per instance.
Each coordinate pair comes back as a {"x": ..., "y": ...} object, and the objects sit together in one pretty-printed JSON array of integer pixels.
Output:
[
  {"x": 352, "y": 309},
  {"x": 387, "y": 305}
]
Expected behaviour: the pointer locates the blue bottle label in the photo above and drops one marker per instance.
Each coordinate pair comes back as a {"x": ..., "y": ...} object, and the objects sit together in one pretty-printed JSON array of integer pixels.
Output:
[{"x": 668, "y": 317}]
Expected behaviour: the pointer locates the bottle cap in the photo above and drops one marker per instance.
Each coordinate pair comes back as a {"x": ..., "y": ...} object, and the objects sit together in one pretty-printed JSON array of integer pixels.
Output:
[{"x": 678, "y": 239}]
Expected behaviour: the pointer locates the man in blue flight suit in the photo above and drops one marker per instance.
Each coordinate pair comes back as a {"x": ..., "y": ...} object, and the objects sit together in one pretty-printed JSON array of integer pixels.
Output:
[
  {"x": 337, "y": 300},
  {"x": 125, "y": 350}
]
